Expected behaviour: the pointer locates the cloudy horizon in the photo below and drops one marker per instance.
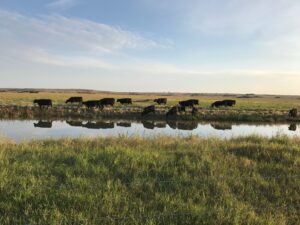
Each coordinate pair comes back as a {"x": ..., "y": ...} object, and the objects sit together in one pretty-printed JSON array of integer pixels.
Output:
[{"x": 152, "y": 46}]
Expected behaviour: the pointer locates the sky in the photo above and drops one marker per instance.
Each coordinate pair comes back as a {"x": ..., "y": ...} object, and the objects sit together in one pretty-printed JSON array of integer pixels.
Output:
[{"x": 216, "y": 46}]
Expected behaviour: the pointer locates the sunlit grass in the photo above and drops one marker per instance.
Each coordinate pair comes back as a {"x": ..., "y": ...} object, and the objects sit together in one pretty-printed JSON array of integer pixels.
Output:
[{"x": 158, "y": 180}]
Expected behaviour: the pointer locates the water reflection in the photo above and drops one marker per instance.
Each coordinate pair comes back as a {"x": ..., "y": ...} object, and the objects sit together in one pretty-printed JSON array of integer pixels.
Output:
[
  {"x": 221, "y": 126},
  {"x": 27, "y": 130},
  {"x": 124, "y": 124},
  {"x": 43, "y": 124},
  {"x": 293, "y": 127},
  {"x": 99, "y": 125}
]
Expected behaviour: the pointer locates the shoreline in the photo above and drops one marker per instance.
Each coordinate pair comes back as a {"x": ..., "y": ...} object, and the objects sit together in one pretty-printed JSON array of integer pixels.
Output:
[{"x": 134, "y": 113}]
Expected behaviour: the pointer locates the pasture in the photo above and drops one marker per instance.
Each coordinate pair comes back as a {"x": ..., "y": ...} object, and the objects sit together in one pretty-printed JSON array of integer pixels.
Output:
[
  {"x": 245, "y": 102},
  {"x": 158, "y": 180}
]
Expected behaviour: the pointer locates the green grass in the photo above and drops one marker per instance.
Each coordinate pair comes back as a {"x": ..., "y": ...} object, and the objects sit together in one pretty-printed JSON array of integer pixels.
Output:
[{"x": 158, "y": 180}]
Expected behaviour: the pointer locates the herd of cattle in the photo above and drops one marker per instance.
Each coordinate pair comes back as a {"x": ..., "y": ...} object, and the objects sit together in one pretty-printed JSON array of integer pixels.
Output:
[
  {"x": 175, "y": 110},
  {"x": 181, "y": 107}
]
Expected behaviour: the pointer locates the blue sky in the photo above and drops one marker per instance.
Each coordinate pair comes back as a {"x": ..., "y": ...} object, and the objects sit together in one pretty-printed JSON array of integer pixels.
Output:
[{"x": 232, "y": 46}]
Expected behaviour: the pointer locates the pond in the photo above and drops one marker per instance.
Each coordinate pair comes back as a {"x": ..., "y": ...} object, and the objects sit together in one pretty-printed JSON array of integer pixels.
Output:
[{"x": 23, "y": 130}]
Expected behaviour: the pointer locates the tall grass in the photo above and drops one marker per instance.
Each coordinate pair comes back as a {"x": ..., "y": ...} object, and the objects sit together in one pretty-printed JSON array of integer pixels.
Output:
[{"x": 158, "y": 180}]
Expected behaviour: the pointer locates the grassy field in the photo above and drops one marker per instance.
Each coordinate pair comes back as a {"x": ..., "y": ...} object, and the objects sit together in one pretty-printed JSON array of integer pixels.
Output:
[
  {"x": 159, "y": 180},
  {"x": 243, "y": 102}
]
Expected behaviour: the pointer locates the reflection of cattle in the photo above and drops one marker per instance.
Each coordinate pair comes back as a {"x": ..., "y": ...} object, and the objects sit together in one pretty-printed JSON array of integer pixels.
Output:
[
  {"x": 74, "y": 123},
  {"x": 43, "y": 124},
  {"x": 43, "y": 102},
  {"x": 293, "y": 127},
  {"x": 125, "y": 100},
  {"x": 226, "y": 102},
  {"x": 293, "y": 113},
  {"x": 175, "y": 110},
  {"x": 148, "y": 109},
  {"x": 191, "y": 125},
  {"x": 107, "y": 101},
  {"x": 74, "y": 100},
  {"x": 99, "y": 125},
  {"x": 189, "y": 103},
  {"x": 172, "y": 124},
  {"x": 160, "y": 124},
  {"x": 124, "y": 124},
  {"x": 161, "y": 101},
  {"x": 221, "y": 126},
  {"x": 91, "y": 104},
  {"x": 148, "y": 124}
]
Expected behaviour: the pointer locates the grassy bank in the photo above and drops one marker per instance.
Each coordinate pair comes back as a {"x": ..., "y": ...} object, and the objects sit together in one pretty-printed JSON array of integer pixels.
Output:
[{"x": 160, "y": 180}]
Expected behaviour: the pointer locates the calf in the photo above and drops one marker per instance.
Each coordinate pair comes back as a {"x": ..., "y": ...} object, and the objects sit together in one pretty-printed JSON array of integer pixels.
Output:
[
  {"x": 107, "y": 101},
  {"x": 293, "y": 113},
  {"x": 74, "y": 100},
  {"x": 43, "y": 102},
  {"x": 148, "y": 109},
  {"x": 125, "y": 101},
  {"x": 175, "y": 110},
  {"x": 161, "y": 101}
]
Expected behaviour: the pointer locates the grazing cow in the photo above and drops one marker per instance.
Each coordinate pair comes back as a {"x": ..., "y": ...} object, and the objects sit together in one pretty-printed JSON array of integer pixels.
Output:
[
  {"x": 123, "y": 124},
  {"x": 91, "y": 104},
  {"x": 293, "y": 127},
  {"x": 175, "y": 110},
  {"x": 221, "y": 126},
  {"x": 161, "y": 101},
  {"x": 148, "y": 125},
  {"x": 74, "y": 123},
  {"x": 293, "y": 113},
  {"x": 189, "y": 103},
  {"x": 74, "y": 100},
  {"x": 125, "y": 101},
  {"x": 148, "y": 109},
  {"x": 107, "y": 101},
  {"x": 226, "y": 102},
  {"x": 43, "y": 102},
  {"x": 99, "y": 125},
  {"x": 43, "y": 124}
]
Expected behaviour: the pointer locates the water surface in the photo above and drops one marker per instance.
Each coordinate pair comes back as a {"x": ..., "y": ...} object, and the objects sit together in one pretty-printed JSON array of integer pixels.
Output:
[{"x": 22, "y": 130}]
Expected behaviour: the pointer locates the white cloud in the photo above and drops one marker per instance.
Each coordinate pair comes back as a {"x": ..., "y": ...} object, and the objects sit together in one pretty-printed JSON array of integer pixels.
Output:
[
  {"x": 63, "y": 37},
  {"x": 63, "y": 4}
]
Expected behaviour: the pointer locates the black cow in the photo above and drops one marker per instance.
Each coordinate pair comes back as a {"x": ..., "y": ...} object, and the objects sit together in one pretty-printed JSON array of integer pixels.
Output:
[
  {"x": 125, "y": 101},
  {"x": 43, "y": 102},
  {"x": 226, "y": 102},
  {"x": 43, "y": 124},
  {"x": 189, "y": 103},
  {"x": 175, "y": 110},
  {"x": 74, "y": 100},
  {"x": 172, "y": 124},
  {"x": 99, "y": 125},
  {"x": 194, "y": 111},
  {"x": 293, "y": 113},
  {"x": 91, "y": 104},
  {"x": 148, "y": 109},
  {"x": 107, "y": 101},
  {"x": 161, "y": 101},
  {"x": 74, "y": 123},
  {"x": 293, "y": 127},
  {"x": 124, "y": 124}
]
